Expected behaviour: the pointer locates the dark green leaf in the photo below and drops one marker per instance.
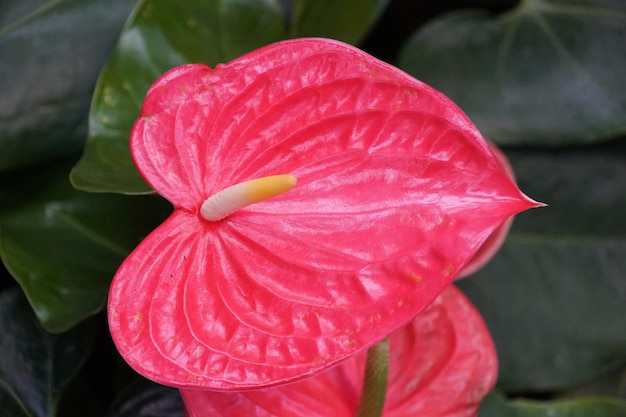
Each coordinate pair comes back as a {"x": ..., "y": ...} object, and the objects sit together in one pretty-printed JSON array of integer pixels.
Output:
[
  {"x": 550, "y": 72},
  {"x": 160, "y": 35},
  {"x": 554, "y": 295},
  {"x": 63, "y": 246},
  {"x": 52, "y": 52},
  {"x": 145, "y": 399},
  {"x": 36, "y": 366},
  {"x": 10, "y": 405},
  {"x": 612, "y": 383},
  {"x": 495, "y": 405},
  {"x": 347, "y": 20}
]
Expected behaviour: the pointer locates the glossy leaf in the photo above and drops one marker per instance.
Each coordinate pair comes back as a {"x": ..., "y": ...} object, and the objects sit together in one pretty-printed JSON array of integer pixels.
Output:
[
  {"x": 159, "y": 35},
  {"x": 495, "y": 405},
  {"x": 347, "y": 20},
  {"x": 550, "y": 72},
  {"x": 396, "y": 191},
  {"x": 554, "y": 295},
  {"x": 144, "y": 399},
  {"x": 36, "y": 366},
  {"x": 63, "y": 246},
  {"x": 441, "y": 364},
  {"x": 52, "y": 52}
]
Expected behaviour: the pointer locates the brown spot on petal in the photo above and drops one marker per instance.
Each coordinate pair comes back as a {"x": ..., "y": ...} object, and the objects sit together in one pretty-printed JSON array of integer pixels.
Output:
[
  {"x": 415, "y": 278},
  {"x": 449, "y": 270}
]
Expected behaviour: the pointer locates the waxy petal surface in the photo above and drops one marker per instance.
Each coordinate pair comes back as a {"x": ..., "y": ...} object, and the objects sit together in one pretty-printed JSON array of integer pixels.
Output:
[
  {"x": 441, "y": 364},
  {"x": 396, "y": 191},
  {"x": 492, "y": 244}
]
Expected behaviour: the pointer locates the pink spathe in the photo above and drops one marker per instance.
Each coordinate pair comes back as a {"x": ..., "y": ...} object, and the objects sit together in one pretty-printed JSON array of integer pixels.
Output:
[
  {"x": 396, "y": 190},
  {"x": 496, "y": 239},
  {"x": 441, "y": 364}
]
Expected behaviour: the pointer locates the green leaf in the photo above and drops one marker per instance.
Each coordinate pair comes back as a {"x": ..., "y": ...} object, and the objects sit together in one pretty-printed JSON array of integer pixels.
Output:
[
  {"x": 52, "y": 52},
  {"x": 550, "y": 72},
  {"x": 146, "y": 399},
  {"x": 160, "y": 35},
  {"x": 612, "y": 383},
  {"x": 495, "y": 405},
  {"x": 10, "y": 404},
  {"x": 36, "y": 366},
  {"x": 63, "y": 246},
  {"x": 554, "y": 295},
  {"x": 347, "y": 20}
]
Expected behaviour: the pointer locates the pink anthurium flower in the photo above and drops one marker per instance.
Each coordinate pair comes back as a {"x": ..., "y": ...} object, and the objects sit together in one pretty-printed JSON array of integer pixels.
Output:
[
  {"x": 441, "y": 364},
  {"x": 322, "y": 199},
  {"x": 494, "y": 242}
]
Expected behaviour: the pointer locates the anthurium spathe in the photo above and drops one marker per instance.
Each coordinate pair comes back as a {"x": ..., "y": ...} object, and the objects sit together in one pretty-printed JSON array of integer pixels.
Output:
[
  {"x": 441, "y": 365},
  {"x": 494, "y": 242},
  {"x": 322, "y": 199}
]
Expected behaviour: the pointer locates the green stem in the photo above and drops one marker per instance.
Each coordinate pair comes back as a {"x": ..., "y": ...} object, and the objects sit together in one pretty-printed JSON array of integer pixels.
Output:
[{"x": 375, "y": 381}]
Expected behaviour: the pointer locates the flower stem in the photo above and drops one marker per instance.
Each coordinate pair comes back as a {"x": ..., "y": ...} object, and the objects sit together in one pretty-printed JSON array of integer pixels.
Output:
[{"x": 375, "y": 381}]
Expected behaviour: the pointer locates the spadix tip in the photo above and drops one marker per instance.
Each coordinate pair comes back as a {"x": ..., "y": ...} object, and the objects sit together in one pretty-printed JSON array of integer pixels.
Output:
[{"x": 225, "y": 202}]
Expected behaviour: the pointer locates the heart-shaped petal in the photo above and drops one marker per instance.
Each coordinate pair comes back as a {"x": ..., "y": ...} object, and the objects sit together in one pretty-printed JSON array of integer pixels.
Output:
[
  {"x": 396, "y": 190},
  {"x": 494, "y": 242}
]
